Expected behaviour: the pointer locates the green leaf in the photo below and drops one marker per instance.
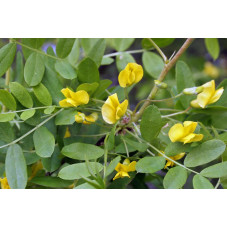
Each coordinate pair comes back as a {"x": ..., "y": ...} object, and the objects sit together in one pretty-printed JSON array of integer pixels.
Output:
[
  {"x": 31, "y": 158},
  {"x": 215, "y": 171},
  {"x": 175, "y": 178},
  {"x": 66, "y": 117},
  {"x": 54, "y": 85},
  {"x": 7, "y": 100},
  {"x": 6, "y": 132},
  {"x": 123, "y": 59},
  {"x": 31, "y": 42},
  {"x": 21, "y": 94},
  {"x": 176, "y": 148},
  {"x": 7, "y": 117},
  {"x": 49, "y": 110},
  {"x": 200, "y": 182},
  {"x": 19, "y": 68},
  {"x": 107, "y": 61},
  {"x": 82, "y": 151},
  {"x": 16, "y": 169},
  {"x": 213, "y": 47},
  {"x": 54, "y": 162},
  {"x": 7, "y": 54},
  {"x": 42, "y": 94},
  {"x": 122, "y": 44},
  {"x": 205, "y": 153},
  {"x": 88, "y": 44},
  {"x": 103, "y": 85},
  {"x": 97, "y": 51},
  {"x": 88, "y": 71},
  {"x": 184, "y": 80},
  {"x": 79, "y": 170},
  {"x": 151, "y": 119},
  {"x": 153, "y": 64},
  {"x": 74, "y": 55},
  {"x": 51, "y": 182},
  {"x": 64, "y": 47},
  {"x": 150, "y": 164},
  {"x": 44, "y": 142},
  {"x": 27, "y": 114},
  {"x": 160, "y": 42},
  {"x": 110, "y": 168},
  {"x": 34, "y": 69},
  {"x": 89, "y": 88},
  {"x": 65, "y": 70}
]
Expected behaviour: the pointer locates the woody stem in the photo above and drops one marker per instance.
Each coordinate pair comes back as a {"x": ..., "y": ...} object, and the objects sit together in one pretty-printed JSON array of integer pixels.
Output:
[{"x": 162, "y": 76}]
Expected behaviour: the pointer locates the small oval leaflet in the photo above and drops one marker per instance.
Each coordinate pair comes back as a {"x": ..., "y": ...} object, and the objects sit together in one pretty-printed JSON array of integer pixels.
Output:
[
  {"x": 200, "y": 182},
  {"x": 205, "y": 153},
  {"x": 175, "y": 178},
  {"x": 88, "y": 71},
  {"x": 151, "y": 119},
  {"x": 79, "y": 170},
  {"x": 82, "y": 151},
  {"x": 65, "y": 70},
  {"x": 150, "y": 164},
  {"x": 27, "y": 114},
  {"x": 21, "y": 94},
  {"x": 7, "y": 117},
  {"x": 153, "y": 64},
  {"x": 215, "y": 171},
  {"x": 7, "y": 54},
  {"x": 44, "y": 142},
  {"x": 42, "y": 94},
  {"x": 34, "y": 69},
  {"x": 16, "y": 169},
  {"x": 8, "y": 100}
]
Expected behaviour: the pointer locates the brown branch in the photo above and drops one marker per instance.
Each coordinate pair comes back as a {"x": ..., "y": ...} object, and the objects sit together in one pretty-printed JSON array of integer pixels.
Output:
[{"x": 162, "y": 76}]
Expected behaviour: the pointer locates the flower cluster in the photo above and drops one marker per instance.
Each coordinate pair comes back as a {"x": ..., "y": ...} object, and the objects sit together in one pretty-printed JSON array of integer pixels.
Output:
[{"x": 112, "y": 111}]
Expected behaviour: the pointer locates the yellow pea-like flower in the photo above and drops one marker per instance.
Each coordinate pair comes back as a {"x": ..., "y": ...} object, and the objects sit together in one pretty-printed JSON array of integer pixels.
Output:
[
  {"x": 211, "y": 70},
  {"x": 123, "y": 169},
  {"x": 74, "y": 99},
  {"x": 87, "y": 120},
  {"x": 132, "y": 74},
  {"x": 208, "y": 96},
  {"x": 175, "y": 158},
  {"x": 184, "y": 133},
  {"x": 4, "y": 183},
  {"x": 112, "y": 110}
]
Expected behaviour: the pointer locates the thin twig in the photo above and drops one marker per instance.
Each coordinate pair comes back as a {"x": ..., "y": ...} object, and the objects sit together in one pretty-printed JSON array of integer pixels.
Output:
[{"x": 28, "y": 133}]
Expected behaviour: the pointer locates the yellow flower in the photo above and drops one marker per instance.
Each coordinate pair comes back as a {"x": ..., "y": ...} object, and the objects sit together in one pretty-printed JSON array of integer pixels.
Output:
[
  {"x": 208, "y": 96},
  {"x": 67, "y": 133},
  {"x": 112, "y": 110},
  {"x": 184, "y": 133},
  {"x": 211, "y": 70},
  {"x": 132, "y": 74},
  {"x": 82, "y": 118},
  {"x": 74, "y": 99},
  {"x": 123, "y": 169},
  {"x": 35, "y": 168},
  {"x": 175, "y": 158},
  {"x": 4, "y": 183}
]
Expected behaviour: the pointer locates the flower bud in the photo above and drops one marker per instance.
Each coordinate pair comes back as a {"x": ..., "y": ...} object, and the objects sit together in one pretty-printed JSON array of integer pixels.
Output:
[
  {"x": 160, "y": 84},
  {"x": 193, "y": 90}
]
